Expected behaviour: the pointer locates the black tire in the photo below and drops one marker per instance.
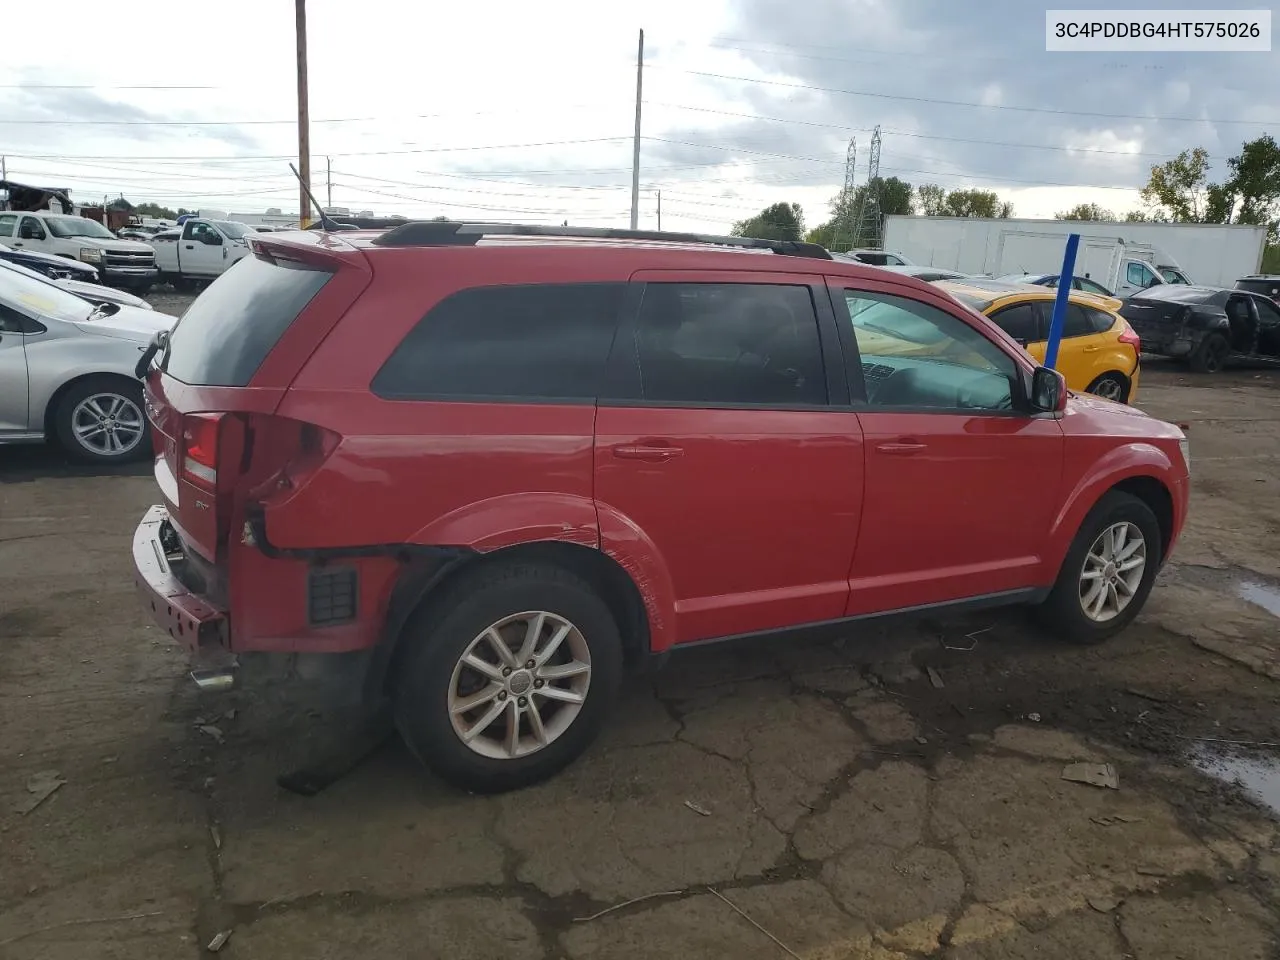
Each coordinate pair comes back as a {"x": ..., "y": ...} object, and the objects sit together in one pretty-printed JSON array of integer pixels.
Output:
[
  {"x": 1111, "y": 386},
  {"x": 1211, "y": 356},
  {"x": 1063, "y": 611},
  {"x": 442, "y": 630},
  {"x": 81, "y": 390}
]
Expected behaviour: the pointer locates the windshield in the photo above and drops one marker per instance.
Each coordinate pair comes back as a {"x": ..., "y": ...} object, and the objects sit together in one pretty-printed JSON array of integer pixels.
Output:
[
  {"x": 29, "y": 294},
  {"x": 235, "y": 231},
  {"x": 63, "y": 227},
  {"x": 893, "y": 321}
]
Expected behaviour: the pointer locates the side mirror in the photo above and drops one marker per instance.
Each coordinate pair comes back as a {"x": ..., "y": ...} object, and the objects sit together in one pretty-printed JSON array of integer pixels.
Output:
[
  {"x": 212, "y": 239},
  {"x": 1048, "y": 391},
  {"x": 26, "y": 232}
]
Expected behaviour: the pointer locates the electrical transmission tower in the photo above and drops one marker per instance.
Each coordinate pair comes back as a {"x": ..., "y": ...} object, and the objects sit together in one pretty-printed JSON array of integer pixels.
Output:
[
  {"x": 844, "y": 228},
  {"x": 866, "y": 231}
]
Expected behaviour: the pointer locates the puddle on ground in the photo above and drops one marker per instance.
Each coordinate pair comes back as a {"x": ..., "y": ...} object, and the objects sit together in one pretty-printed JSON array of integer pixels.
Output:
[
  {"x": 1268, "y": 598},
  {"x": 1258, "y": 774}
]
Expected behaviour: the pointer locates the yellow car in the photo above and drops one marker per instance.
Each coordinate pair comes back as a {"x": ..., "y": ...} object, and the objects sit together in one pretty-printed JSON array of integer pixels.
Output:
[{"x": 1099, "y": 352}]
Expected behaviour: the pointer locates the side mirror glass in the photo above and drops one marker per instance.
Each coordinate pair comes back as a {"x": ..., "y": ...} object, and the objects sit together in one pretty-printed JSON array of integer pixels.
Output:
[
  {"x": 1048, "y": 391},
  {"x": 212, "y": 239}
]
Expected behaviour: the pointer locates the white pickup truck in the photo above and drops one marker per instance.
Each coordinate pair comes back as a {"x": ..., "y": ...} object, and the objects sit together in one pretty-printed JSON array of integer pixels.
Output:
[
  {"x": 120, "y": 263},
  {"x": 199, "y": 251}
]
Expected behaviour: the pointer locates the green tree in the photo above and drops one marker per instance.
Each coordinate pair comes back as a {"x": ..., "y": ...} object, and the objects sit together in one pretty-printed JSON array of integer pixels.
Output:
[
  {"x": 1254, "y": 182},
  {"x": 975, "y": 203},
  {"x": 120, "y": 203},
  {"x": 1178, "y": 189},
  {"x": 931, "y": 199},
  {"x": 781, "y": 221},
  {"x": 1085, "y": 211},
  {"x": 154, "y": 210},
  {"x": 824, "y": 234}
]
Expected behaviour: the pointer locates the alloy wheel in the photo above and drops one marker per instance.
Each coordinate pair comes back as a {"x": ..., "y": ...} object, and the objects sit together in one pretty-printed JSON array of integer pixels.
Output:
[
  {"x": 1112, "y": 571},
  {"x": 519, "y": 685},
  {"x": 107, "y": 424}
]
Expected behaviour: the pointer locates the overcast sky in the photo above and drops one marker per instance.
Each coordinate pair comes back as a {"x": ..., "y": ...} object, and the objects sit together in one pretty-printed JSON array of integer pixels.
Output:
[{"x": 524, "y": 111}]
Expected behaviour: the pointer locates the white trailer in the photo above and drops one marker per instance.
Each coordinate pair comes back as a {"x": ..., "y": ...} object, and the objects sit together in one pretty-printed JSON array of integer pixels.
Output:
[{"x": 1215, "y": 255}]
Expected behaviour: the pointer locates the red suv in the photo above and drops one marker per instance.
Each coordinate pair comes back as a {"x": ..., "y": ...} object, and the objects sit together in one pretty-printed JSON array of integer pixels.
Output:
[{"x": 495, "y": 464}]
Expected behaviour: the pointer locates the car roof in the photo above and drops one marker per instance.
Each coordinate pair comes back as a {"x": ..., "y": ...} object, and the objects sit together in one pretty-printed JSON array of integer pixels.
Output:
[
  {"x": 619, "y": 253},
  {"x": 991, "y": 293}
]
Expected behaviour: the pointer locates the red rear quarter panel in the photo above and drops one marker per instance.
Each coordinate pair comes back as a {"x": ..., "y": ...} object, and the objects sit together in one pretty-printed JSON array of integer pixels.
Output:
[{"x": 484, "y": 475}]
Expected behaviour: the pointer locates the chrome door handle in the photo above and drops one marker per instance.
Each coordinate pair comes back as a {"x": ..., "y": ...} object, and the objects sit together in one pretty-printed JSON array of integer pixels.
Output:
[
  {"x": 653, "y": 454},
  {"x": 900, "y": 448}
]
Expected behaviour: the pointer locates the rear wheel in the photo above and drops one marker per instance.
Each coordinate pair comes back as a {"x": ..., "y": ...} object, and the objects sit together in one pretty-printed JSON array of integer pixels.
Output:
[
  {"x": 101, "y": 420},
  {"x": 1211, "y": 355},
  {"x": 1108, "y": 573},
  {"x": 509, "y": 678},
  {"x": 1111, "y": 386}
]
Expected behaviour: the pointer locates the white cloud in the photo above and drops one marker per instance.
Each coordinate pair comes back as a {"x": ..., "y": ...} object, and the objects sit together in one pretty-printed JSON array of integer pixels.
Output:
[{"x": 524, "y": 111}]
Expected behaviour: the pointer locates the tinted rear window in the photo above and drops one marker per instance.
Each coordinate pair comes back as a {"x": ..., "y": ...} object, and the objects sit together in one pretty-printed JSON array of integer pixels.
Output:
[
  {"x": 541, "y": 341},
  {"x": 1268, "y": 288},
  {"x": 225, "y": 335}
]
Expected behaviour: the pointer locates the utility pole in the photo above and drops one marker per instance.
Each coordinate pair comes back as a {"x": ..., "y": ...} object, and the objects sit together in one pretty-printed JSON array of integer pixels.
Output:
[
  {"x": 328, "y": 179},
  {"x": 659, "y": 209},
  {"x": 635, "y": 150},
  {"x": 304, "y": 133}
]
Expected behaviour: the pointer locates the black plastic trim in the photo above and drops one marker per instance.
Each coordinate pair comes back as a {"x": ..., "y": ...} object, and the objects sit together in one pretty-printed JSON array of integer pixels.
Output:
[
  {"x": 1004, "y": 598},
  {"x": 451, "y": 233},
  {"x": 401, "y": 551}
]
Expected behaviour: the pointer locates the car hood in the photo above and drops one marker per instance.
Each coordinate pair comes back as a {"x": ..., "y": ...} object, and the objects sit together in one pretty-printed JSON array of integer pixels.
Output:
[
  {"x": 1089, "y": 414},
  {"x": 96, "y": 293},
  {"x": 120, "y": 246},
  {"x": 129, "y": 323},
  {"x": 49, "y": 259}
]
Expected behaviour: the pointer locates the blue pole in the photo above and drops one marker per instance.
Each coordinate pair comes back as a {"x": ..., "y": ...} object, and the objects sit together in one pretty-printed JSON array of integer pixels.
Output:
[{"x": 1060, "y": 302}]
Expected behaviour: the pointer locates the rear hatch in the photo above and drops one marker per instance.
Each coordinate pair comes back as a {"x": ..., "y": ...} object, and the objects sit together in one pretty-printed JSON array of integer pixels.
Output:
[{"x": 216, "y": 382}]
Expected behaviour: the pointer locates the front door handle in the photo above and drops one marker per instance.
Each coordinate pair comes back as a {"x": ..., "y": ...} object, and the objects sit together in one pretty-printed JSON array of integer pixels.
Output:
[
  {"x": 900, "y": 448},
  {"x": 653, "y": 454},
  {"x": 190, "y": 246}
]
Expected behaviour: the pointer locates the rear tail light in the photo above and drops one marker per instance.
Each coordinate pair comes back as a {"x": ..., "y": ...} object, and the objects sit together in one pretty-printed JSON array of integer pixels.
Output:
[
  {"x": 1129, "y": 335},
  {"x": 200, "y": 434}
]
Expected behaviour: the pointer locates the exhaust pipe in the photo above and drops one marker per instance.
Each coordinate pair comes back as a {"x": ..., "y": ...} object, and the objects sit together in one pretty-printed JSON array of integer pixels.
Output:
[{"x": 222, "y": 678}]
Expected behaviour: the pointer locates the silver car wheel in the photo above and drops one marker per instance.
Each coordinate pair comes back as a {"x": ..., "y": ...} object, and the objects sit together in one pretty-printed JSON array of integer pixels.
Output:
[
  {"x": 1112, "y": 571},
  {"x": 1109, "y": 388},
  {"x": 107, "y": 424},
  {"x": 519, "y": 685}
]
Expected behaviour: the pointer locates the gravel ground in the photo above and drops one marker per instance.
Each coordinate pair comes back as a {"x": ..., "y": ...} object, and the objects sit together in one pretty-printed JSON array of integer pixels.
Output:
[{"x": 831, "y": 793}]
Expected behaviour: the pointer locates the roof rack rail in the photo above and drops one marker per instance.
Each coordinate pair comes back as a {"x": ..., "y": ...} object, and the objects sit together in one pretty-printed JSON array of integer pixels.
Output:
[{"x": 452, "y": 233}]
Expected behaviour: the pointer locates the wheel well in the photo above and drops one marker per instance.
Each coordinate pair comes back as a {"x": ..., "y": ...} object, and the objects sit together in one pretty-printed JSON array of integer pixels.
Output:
[
  {"x": 52, "y": 407},
  {"x": 1156, "y": 496},
  {"x": 593, "y": 566}
]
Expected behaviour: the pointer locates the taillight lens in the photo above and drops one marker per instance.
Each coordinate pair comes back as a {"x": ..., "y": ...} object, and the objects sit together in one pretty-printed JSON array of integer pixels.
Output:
[
  {"x": 200, "y": 433},
  {"x": 1129, "y": 335}
]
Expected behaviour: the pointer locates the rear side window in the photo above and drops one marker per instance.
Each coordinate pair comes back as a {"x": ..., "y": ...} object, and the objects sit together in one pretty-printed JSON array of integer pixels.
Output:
[
  {"x": 734, "y": 343},
  {"x": 1020, "y": 321},
  {"x": 225, "y": 335},
  {"x": 1099, "y": 321},
  {"x": 534, "y": 342},
  {"x": 1268, "y": 288}
]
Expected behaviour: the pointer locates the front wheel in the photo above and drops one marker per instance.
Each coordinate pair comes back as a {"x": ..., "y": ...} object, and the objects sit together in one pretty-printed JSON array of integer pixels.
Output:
[
  {"x": 508, "y": 677},
  {"x": 1108, "y": 573},
  {"x": 1111, "y": 386},
  {"x": 100, "y": 420}
]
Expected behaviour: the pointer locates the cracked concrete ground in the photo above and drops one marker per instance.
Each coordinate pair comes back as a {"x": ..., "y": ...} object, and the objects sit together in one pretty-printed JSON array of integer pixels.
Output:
[{"x": 825, "y": 801}]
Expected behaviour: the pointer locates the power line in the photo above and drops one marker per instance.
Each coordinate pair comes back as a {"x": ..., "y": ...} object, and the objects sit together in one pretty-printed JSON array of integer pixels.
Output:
[
  {"x": 919, "y": 136},
  {"x": 960, "y": 103},
  {"x": 98, "y": 86},
  {"x": 465, "y": 206}
]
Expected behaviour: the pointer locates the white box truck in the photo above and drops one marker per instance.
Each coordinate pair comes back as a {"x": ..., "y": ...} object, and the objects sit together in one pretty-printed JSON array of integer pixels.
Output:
[{"x": 1215, "y": 255}]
